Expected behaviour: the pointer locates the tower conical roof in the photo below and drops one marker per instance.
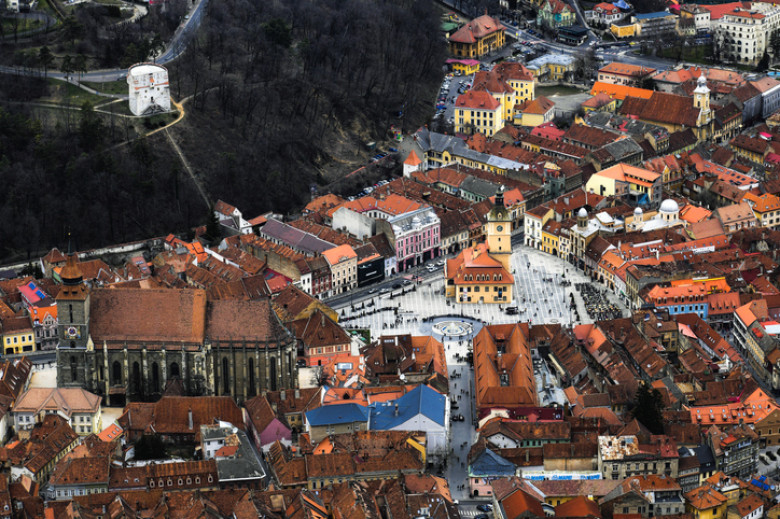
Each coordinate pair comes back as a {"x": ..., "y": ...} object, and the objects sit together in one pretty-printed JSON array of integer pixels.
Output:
[{"x": 71, "y": 273}]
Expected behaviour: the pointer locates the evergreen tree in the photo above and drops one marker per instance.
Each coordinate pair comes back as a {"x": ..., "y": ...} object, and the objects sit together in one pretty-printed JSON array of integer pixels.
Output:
[
  {"x": 648, "y": 408},
  {"x": 774, "y": 43}
]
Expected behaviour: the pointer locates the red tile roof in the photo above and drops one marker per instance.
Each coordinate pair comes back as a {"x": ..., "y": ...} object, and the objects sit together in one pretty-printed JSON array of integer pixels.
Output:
[{"x": 476, "y": 29}]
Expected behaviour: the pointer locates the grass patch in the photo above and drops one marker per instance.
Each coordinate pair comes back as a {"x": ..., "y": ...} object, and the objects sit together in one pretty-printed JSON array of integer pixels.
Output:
[
  {"x": 45, "y": 6},
  {"x": 114, "y": 87},
  {"x": 67, "y": 94},
  {"x": 697, "y": 54},
  {"x": 22, "y": 25},
  {"x": 556, "y": 90}
]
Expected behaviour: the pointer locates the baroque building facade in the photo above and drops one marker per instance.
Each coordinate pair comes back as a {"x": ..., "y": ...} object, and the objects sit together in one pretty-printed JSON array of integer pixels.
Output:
[{"x": 128, "y": 344}]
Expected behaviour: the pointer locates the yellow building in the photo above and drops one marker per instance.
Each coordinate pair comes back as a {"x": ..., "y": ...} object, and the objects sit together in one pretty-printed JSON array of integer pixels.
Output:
[
  {"x": 480, "y": 36},
  {"x": 478, "y": 112},
  {"x": 551, "y": 237},
  {"x": 535, "y": 112},
  {"x": 552, "y": 67},
  {"x": 766, "y": 208},
  {"x": 481, "y": 274},
  {"x": 509, "y": 83},
  {"x": 18, "y": 335},
  {"x": 624, "y": 31},
  {"x": 768, "y": 428},
  {"x": 706, "y": 503},
  {"x": 466, "y": 67}
]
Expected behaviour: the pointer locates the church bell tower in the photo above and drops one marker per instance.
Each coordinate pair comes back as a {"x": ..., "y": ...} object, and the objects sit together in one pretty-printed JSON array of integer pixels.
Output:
[
  {"x": 73, "y": 325},
  {"x": 499, "y": 231}
]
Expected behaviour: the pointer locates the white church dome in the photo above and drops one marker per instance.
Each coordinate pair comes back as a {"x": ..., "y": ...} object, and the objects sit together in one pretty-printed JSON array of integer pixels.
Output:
[
  {"x": 669, "y": 206},
  {"x": 582, "y": 213},
  {"x": 638, "y": 211}
]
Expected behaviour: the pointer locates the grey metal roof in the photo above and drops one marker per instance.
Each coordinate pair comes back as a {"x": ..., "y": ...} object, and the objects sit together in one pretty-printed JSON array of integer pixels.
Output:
[
  {"x": 295, "y": 238},
  {"x": 478, "y": 187}
]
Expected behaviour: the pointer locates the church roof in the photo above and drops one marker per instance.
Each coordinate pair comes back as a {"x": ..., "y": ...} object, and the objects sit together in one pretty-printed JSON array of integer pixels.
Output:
[
  {"x": 233, "y": 319},
  {"x": 150, "y": 315}
]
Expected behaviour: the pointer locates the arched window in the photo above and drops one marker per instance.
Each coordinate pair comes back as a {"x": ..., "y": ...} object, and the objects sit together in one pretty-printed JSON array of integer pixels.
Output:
[
  {"x": 174, "y": 370},
  {"x": 272, "y": 373},
  {"x": 116, "y": 373},
  {"x": 74, "y": 371},
  {"x": 155, "y": 377},
  {"x": 251, "y": 368},
  {"x": 225, "y": 376},
  {"x": 136, "y": 387}
]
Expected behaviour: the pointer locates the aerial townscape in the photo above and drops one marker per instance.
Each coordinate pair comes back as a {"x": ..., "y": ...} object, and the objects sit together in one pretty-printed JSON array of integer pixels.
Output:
[{"x": 389, "y": 260}]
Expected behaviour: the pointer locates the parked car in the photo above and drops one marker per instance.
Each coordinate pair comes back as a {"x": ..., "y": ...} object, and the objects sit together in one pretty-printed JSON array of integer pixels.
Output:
[
  {"x": 372, "y": 291},
  {"x": 396, "y": 285},
  {"x": 407, "y": 282},
  {"x": 771, "y": 455},
  {"x": 485, "y": 507},
  {"x": 384, "y": 291}
]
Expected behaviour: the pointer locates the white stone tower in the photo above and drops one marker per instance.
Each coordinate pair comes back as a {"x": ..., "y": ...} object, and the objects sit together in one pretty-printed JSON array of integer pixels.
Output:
[{"x": 148, "y": 89}]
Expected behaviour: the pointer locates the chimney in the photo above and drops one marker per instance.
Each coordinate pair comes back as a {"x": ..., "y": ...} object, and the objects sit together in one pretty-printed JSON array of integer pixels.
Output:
[
  {"x": 297, "y": 393},
  {"x": 395, "y": 413},
  {"x": 189, "y": 418},
  {"x": 282, "y": 395}
]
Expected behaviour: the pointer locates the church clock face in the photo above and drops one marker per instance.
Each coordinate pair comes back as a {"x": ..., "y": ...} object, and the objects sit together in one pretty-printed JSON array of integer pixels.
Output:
[
  {"x": 71, "y": 332},
  {"x": 500, "y": 228}
]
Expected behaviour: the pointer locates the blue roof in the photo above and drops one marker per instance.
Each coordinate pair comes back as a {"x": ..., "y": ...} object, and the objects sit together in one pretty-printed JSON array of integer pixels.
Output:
[
  {"x": 337, "y": 414},
  {"x": 488, "y": 463},
  {"x": 648, "y": 16},
  {"x": 420, "y": 400}
]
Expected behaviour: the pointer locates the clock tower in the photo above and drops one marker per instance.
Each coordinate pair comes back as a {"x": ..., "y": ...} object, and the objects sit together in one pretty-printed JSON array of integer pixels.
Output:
[
  {"x": 73, "y": 325},
  {"x": 499, "y": 231}
]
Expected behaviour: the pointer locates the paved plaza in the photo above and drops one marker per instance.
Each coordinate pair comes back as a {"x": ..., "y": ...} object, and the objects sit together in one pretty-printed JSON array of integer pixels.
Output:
[{"x": 538, "y": 294}]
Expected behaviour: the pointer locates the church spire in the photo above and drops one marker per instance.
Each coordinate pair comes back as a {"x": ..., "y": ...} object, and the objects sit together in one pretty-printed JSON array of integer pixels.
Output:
[{"x": 71, "y": 273}]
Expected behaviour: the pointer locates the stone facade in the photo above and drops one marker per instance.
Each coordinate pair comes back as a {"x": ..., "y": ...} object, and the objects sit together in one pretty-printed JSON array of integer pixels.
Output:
[{"x": 128, "y": 344}]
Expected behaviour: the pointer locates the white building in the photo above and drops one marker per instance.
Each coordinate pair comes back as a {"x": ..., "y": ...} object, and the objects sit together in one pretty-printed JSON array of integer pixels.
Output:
[
  {"x": 605, "y": 14},
  {"x": 359, "y": 225},
  {"x": 80, "y": 408},
  {"x": 743, "y": 34},
  {"x": 148, "y": 89}
]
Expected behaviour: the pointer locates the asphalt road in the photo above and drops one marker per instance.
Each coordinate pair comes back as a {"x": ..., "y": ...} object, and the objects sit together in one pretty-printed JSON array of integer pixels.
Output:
[{"x": 175, "y": 48}]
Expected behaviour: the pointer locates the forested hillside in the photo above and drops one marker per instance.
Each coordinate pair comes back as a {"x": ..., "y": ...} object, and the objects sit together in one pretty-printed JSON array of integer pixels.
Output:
[
  {"x": 286, "y": 89},
  {"x": 280, "y": 95}
]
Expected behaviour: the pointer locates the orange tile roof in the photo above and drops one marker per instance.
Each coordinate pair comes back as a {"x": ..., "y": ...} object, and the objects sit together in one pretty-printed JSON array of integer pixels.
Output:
[
  {"x": 619, "y": 92},
  {"x": 479, "y": 266},
  {"x": 626, "y": 69},
  {"x": 338, "y": 254},
  {"x": 625, "y": 172},
  {"x": 693, "y": 213},
  {"x": 705, "y": 497},
  {"x": 764, "y": 203},
  {"x": 477, "y": 100},
  {"x": 515, "y": 362},
  {"x": 392, "y": 204},
  {"x": 413, "y": 159},
  {"x": 540, "y": 106},
  {"x": 110, "y": 433},
  {"x": 476, "y": 29}
]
